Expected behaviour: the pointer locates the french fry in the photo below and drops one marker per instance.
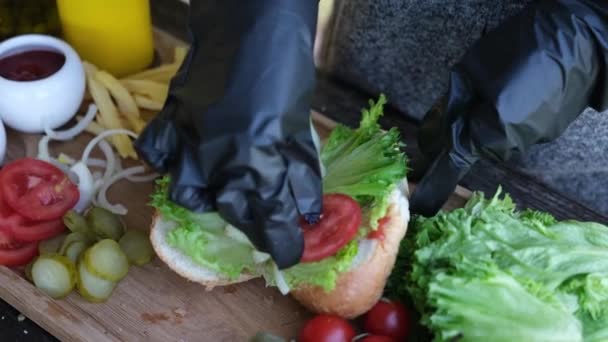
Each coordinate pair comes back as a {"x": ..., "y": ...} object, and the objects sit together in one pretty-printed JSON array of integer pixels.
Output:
[
  {"x": 124, "y": 100},
  {"x": 147, "y": 103},
  {"x": 108, "y": 117},
  {"x": 179, "y": 54},
  {"x": 89, "y": 69},
  {"x": 154, "y": 90},
  {"x": 163, "y": 73}
]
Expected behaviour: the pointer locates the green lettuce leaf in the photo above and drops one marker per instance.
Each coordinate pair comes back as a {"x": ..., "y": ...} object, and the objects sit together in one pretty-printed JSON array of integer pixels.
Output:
[
  {"x": 487, "y": 272},
  {"x": 496, "y": 307},
  {"x": 325, "y": 272},
  {"x": 203, "y": 236},
  {"x": 365, "y": 163}
]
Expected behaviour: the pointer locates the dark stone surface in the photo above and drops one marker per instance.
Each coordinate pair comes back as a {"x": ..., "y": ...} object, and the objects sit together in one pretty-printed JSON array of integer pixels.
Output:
[
  {"x": 405, "y": 48},
  {"x": 575, "y": 163}
]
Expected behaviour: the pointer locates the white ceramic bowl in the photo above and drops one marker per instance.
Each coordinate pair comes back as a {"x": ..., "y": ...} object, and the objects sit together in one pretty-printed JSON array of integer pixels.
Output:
[{"x": 26, "y": 106}]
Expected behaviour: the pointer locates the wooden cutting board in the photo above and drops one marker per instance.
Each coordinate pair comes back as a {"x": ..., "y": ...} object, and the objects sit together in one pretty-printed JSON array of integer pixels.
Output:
[{"x": 152, "y": 303}]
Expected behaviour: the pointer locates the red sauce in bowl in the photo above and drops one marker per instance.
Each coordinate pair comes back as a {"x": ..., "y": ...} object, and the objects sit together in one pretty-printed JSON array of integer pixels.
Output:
[{"x": 31, "y": 65}]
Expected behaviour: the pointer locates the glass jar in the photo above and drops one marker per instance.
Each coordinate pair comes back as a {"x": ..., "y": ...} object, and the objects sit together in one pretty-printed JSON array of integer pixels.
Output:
[{"x": 28, "y": 16}]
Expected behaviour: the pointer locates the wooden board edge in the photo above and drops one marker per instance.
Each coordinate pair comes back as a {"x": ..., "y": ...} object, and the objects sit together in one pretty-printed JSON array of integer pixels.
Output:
[{"x": 61, "y": 318}]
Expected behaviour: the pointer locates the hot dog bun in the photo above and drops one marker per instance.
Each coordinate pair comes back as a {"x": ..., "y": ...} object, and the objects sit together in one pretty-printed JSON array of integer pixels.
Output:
[{"x": 356, "y": 290}]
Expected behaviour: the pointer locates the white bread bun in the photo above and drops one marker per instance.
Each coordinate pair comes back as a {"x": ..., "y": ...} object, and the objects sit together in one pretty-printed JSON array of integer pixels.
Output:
[
  {"x": 356, "y": 290},
  {"x": 183, "y": 264}
]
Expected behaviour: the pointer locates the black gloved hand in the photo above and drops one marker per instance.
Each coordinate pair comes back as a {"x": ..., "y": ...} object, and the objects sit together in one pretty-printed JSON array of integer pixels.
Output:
[
  {"x": 520, "y": 85},
  {"x": 235, "y": 133}
]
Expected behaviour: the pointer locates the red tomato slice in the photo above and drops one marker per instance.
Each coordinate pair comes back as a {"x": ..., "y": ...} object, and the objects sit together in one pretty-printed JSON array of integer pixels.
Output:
[
  {"x": 37, "y": 190},
  {"x": 5, "y": 209},
  {"x": 13, "y": 252},
  {"x": 339, "y": 224},
  {"x": 25, "y": 230}
]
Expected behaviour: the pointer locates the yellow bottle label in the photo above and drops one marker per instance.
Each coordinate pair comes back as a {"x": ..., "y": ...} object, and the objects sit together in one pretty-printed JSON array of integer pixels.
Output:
[{"x": 115, "y": 35}]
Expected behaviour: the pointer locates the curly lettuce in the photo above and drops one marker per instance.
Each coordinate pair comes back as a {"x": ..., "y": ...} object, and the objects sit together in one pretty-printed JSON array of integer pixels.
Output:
[
  {"x": 366, "y": 163},
  {"x": 487, "y": 272}
]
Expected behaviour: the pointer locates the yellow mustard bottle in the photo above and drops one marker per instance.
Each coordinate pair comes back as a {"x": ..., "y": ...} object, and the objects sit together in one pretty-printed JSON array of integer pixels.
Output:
[{"x": 115, "y": 35}]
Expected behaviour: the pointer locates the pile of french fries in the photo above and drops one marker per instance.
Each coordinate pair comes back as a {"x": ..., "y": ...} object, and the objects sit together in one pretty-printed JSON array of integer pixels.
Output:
[{"x": 120, "y": 101}]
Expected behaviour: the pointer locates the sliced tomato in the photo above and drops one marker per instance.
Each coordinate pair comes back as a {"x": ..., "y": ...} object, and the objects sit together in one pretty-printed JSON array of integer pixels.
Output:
[
  {"x": 37, "y": 190},
  {"x": 338, "y": 225},
  {"x": 25, "y": 230},
  {"x": 22, "y": 229},
  {"x": 5, "y": 209},
  {"x": 13, "y": 252}
]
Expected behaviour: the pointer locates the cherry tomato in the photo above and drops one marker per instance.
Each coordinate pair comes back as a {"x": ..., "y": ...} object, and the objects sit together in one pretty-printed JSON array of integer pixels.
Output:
[
  {"x": 37, "y": 190},
  {"x": 377, "y": 338},
  {"x": 338, "y": 225},
  {"x": 388, "y": 318},
  {"x": 13, "y": 252},
  {"x": 327, "y": 328}
]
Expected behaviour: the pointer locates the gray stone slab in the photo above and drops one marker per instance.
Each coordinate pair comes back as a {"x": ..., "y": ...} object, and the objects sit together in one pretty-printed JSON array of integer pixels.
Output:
[
  {"x": 405, "y": 48},
  {"x": 576, "y": 163}
]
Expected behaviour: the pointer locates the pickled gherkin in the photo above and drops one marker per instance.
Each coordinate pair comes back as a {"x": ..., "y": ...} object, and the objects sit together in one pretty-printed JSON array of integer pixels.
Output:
[{"x": 28, "y": 16}]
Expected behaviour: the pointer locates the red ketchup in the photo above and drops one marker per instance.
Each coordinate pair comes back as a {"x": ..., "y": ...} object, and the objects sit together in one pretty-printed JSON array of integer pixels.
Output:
[
  {"x": 379, "y": 232},
  {"x": 31, "y": 65}
]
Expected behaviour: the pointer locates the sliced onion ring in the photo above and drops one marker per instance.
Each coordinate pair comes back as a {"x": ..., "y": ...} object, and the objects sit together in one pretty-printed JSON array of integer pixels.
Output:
[
  {"x": 365, "y": 251},
  {"x": 43, "y": 148},
  {"x": 102, "y": 199},
  {"x": 70, "y": 133},
  {"x": 105, "y": 147},
  {"x": 280, "y": 280},
  {"x": 86, "y": 186},
  {"x": 103, "y": 135},
  {"x": 137, "y": 179}
]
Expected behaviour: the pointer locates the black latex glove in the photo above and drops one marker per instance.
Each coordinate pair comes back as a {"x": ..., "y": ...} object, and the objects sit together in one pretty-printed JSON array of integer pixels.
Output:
[
  {"x": 235, "y": 132},
  {"x": 520, "y": 85}
]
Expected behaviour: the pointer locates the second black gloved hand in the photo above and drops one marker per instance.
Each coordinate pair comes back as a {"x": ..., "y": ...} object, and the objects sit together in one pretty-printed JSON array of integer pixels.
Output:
[
  {"x": 520, "y": 85},
  {"x": 235, "y": 133}
]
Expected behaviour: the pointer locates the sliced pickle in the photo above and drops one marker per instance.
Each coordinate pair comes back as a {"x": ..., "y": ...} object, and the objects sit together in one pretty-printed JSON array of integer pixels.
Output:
[
  {"x": 106, "y": 260},
  {"x": 105, "y": 224},
  {"x": 92, "y": 288},
  {"x": 75, "y": 249},
  {"x": 51, "y": 246},
  {"x": 75, "y": 237},
  {"x": 28, "y": 271},
  {"x": 76, "y": 222},
  {"x": 136, "y": 245},
  {"x": 54, "y": 274}
]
